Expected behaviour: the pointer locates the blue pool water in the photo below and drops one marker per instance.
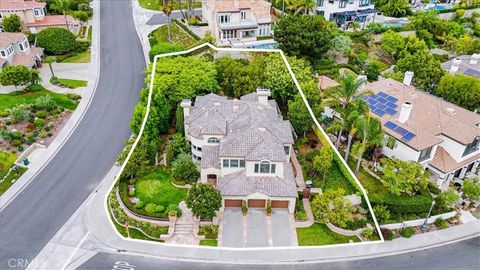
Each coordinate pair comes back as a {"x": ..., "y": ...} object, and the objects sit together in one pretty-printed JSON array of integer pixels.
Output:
[{"x": 272, "y": 45}]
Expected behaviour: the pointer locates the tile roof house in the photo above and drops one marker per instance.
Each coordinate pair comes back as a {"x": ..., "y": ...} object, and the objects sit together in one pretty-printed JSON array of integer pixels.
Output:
[
  {"x": 15, "y": 50},
  {"x": 32, "y": 13},
  {"x": 344, "y": 12},
  {"x": 418, "y": 126},
  {"x": 243, "y": 148},
  {"x": 237, "y": 20},
  {"x": 464, "y": 64}
]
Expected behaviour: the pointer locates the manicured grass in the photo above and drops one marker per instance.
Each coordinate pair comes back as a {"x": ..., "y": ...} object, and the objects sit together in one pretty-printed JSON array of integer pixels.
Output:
[
  {"x": 153, "y": 4},
  {"x": 83, "y": 57},
  {"x": 134, "y": 233},
  {"x": 6, "y": 162},
  {"x": 89, "y": 33},
  {"x": 13, "y": 99},
  {"x": 209, "y": 242},
  {"x": 70, "y": 83},
  {"x": 155, "y": 187},
  {"x": 320, "y": 234},
  {"x": 11, "y": 178},
  {"x": 178, "y": 36}
]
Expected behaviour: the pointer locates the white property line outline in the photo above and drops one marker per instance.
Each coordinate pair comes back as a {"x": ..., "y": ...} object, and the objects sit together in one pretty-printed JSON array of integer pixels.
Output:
[{"x": 147, "y": 112}]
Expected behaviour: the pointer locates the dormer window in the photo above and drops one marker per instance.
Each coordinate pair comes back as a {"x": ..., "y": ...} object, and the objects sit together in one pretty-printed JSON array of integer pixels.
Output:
[
  {"x": 224, "y": 18},
  {"x": 243, "y": 15},
  {"x": 287, "y": 150},
  {"x": 264, "y": 167},
  {"x": 213, "y": 140},
  {"x": 3, "y": 54},
  {"x": 471, "y": 147}
]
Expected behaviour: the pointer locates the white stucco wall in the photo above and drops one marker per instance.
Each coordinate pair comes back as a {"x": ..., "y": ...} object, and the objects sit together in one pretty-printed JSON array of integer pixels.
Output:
[{"x": 401, "y": 151}]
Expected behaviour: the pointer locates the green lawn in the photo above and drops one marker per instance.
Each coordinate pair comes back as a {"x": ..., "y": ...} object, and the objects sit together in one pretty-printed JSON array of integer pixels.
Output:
[
  {"x": 89, "y": 33},
  {"x": 83, "y": 57},
  {"x": 70, "y": 83},
  {"x": 320, "y": 234},
  {"x": 11, "y": 100},
  {"x": 209, "y": 242},
  {"x": 6, "y": 162},
  {"x": 153, "y": 4},
  {"x": 12, "y": 177},
  {"x": 134, "y": 233},
  {"x": 155, "y": 187},
  {"x": 178, "y": 36}
]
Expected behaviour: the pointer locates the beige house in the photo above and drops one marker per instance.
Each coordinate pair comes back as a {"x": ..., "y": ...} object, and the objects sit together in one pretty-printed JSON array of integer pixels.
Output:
[
  {"x": 237, "y": 20},
  {"x": 32, "y": 13},
  {"x": 15, "y": 51},
  {"x": 243, "y": 148}
]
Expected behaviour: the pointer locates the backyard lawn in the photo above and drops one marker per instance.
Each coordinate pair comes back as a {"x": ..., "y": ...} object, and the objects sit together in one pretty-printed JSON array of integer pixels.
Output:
[
  {"x": 13, "y": 99},
  {"x": 178, "y": 36},
  {"x": 70, "y": 83},
  {"x": 83, "y": 57},
  {"x": 320, "y": 234},
  {"x": 155, "y": 187}
]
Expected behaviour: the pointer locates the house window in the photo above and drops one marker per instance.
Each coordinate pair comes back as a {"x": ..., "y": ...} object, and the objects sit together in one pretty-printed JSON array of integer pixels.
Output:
[
  {"x": 242, "y": 163},
  {"x": 229, "y": 34},
  {"x": 342, "y": 3},
  {"x": 9, "y": 50},
  {"x": 264, "y": 30},
  {"x": 287, "y": 150},
  {"x": 225, "y": 163},
  {"x": 197, "y": 158},
  {"x": 320, "y": 3},
  {"x": 243, "y": 15},
  {"x": 391, "y": 142},
  {"x": 25, "y": 44},
  {"x": 199, "y": 149},
  {"x": 471, "y": 147},
  {"x": 2, "y": 52},
  {"x": 264, "y": 167},
  {"x": 38, "y": 12},
  {"x": 1, "y": 16},
  {"x": 425, "y": 154},
  {"x": 248, "y": 34},
  {"x": 21, "y": 46},
  {"x": 363, "y": 3},
  {"x": 225, "y": 18},
  {"x": 213, "y": 140},
  {"x": 233, "y": 163}
]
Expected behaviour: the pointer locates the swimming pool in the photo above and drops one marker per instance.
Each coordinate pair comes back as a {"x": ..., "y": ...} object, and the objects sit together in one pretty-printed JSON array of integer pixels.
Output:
[{"x": 272, "y": 45}]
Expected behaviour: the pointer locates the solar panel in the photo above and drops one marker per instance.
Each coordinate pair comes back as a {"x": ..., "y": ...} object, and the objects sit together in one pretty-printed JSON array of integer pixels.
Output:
[
  {"x": 382, "y": 94},
  {"x": 379, "y": 112},
  {"x": 381, "y": 106},
  {"x": 390, "y": 111},
  {"x": 391, "y": 99},
  {"x": 407, "y": 137},
  {"x": 382, "y": 100},
  {"x": 391, "y": 105},
  {"x": 401, "y": 131},
  {"x": 472, "y": 72},
  {"x": 390, "y": 125}
]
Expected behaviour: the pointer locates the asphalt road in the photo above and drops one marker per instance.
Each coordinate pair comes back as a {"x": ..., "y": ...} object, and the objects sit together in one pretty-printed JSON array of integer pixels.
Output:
[
  {"x": 461, "y": 255},
  {"x": 31, "y": 219}
]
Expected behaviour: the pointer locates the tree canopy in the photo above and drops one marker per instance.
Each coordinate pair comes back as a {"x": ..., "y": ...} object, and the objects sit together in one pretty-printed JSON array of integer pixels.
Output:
[
  {"x": 332, "y": 206},
  {"x": 204, "y": 200},
  {"x": 461, "y": 90},
  {"x": 400, "y": 177},
  {"x": 183, "y": 168},
  {"x": 12, "y": 23},
  {"x": 15, "y": 75}
]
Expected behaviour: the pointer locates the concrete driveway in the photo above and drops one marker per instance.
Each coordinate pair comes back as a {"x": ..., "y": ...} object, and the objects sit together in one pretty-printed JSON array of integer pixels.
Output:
[
  {"x": 257, "y": 234},
  {"x": 282, "y": 234},
  {"x": 232, "y": 228}
]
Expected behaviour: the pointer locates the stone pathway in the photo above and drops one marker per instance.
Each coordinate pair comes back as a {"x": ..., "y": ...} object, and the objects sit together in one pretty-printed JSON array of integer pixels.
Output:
[
  {"x": 183, "y": 233},
  {"x": 310, "y": 219}
]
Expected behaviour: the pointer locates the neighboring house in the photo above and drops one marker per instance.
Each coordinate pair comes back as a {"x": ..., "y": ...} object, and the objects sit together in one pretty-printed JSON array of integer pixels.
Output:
[
  {"x": 243, "y": 148},
  {"x": 15, "y": 50},
  {"x": 33, "y": 15},
  {"x": 464, "y": 64},
  {"x": 237, "y": 20},
  {"x": 344, "y": 12}
]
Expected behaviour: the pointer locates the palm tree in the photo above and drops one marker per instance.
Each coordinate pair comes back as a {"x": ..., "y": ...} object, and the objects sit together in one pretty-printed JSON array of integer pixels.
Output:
[
  {"x": 356, "y": 109},
  {"x": 340, "y": 97},
  {"x": 61, "y": 6},
  {"x": 370, "y": 133},
  {"x": 167, "y": 10},
  {"x": 302, "y": 6},
  {"x": 49, "y": 60}
]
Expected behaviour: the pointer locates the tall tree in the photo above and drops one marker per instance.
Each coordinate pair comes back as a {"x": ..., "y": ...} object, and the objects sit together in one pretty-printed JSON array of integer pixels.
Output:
[
  {"x": 370, "y": 133},
  {"x": 204, "y": 200},
  {"x": 324, "y": 161},
  {"x": 403, "y": 176},
  {"x": 167, "y": 10},
  {"x": 12, "y": 24},
  {"x": 50, "y": 60},
  {"x": 332, "y": 206},
  {"x": 15, "y": 75},
  {"x": 304, "y": 7},
  {"x": 61, "y": 6}
]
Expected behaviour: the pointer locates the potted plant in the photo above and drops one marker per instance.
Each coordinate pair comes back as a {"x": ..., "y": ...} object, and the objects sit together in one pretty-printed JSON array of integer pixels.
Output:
[
  {"x": 172, "y": 215},
  {"x": 269, "y": 207},
  {"x": 244, "y": 207}
]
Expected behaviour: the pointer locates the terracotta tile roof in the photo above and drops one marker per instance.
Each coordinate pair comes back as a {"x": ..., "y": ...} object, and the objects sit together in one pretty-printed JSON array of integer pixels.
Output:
[
  {"x": 445, "y": 163},
  {"x": 325, "y": 82},
  {"x": 28, "y": 59},
  {"x": 465, "y": 66},
  {"x": 238, "y": 184},
  {"x": 430, "y": 116},
  {"x": 17, "y": 5},
  {"x": 210, "y": 157},
  {"x": 7, "y": 38},
  {"x": 53, "y": 20}
]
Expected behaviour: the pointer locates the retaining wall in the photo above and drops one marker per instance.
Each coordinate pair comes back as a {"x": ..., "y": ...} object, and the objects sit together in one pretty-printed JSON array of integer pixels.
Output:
[{"x": 418, "y": 222}]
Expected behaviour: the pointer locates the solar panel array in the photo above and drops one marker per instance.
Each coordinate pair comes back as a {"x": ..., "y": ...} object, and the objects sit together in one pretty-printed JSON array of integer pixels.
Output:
[
  {"x": 406, "y": 135},
  {"x": 472, "y": 72},
  {"x": 382, "y": 103}
]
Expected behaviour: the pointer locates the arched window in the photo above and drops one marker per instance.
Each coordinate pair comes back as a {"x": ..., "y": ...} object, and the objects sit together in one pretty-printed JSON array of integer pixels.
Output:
[
  {"x": 213, "y": 140},
  {"x": 264, "y": 167}
]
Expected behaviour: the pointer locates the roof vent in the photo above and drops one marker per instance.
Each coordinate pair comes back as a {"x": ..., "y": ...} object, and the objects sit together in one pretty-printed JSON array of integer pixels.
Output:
[{"x": 474, "y": 59}]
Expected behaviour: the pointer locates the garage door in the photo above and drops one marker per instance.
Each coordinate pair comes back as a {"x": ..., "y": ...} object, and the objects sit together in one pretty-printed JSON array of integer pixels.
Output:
[
  {"x": 256, "y": 203},
  {"x": 279, "y": 204},
  {"x": 233, "y": 203}
]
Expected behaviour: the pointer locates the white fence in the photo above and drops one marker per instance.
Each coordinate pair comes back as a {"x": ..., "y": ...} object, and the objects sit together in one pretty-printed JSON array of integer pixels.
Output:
[{"x": 418, "y": 222}]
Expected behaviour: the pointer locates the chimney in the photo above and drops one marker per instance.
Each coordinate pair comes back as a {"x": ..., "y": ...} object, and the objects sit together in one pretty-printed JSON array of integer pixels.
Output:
[
  {"x": 362, "y": 78},
  {"x": 262, "y": 94},
  {"x": 407, "y": 79},
  {"x": 455, "y": 64},
  {"x": 474, "y": 59},
  {"x": 405, "y": 111},
  {"x": 186, "y": 104}
]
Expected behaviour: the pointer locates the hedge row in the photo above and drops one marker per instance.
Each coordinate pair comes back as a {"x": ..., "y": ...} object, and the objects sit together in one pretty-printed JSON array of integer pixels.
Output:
[
  {"x": 184, "y": 27},
  {"x": 403, "y": 204}
]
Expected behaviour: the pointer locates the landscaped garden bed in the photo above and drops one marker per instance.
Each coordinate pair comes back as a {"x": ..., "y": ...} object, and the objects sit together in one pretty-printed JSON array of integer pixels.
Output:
[
  {"x": 319, "y": 234},
  {"x": 211, "y": 235},
  {"x": 8, "y": 173}
]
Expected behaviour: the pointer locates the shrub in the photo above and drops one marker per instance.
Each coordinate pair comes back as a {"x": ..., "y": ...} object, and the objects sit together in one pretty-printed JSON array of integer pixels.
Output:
[
  {"x": 19, "y": 113},
  {"x": 56, "y": 40},
  {"x": 16, "y": 142},
  {"x": 244, "y": 207},
  {"x": 210, "y": 231},
  {"x": 139, "y": 205},
  {"x": 42, "y": 114},
  {"x": 367, "y": 233},
  {"x": 4, "y": 113},
  {"x": 356, "y": 223},
  {"x": 301, "y": 216},
  {"x": 20, "y": 148},
  {"x": 30, "y": 127},
  {"x": 16, "y": 135},
  {"x": 39, "y": 122},
  {"x": 73, "y": 96},
  {"x": 8, "y": 121},
  {"x": 159, "y": 209},
  {"x": 419, "y": 203},
  {"x": 164, "y": 47},
  {"x": 184, "y": 168},
  {"x": 150, "y": 208},
  {"x": 131, "y": 192},
  {"x": 441, "y": 223},
  {"x": 407, "y": 232},
  {"x": 381, "y": 213},
  {"x": 387, "y": 234},
  {"x": 45, "y": 103},
  {"x": 43, "y": 134}
]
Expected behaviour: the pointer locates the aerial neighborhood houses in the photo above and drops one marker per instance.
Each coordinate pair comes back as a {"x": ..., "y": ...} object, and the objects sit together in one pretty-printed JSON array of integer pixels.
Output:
[
  {"x": 344, "y": 12},
  {"x": 15, "y": 50},
  {"x": 33, "y": 15},
  {"x": 464, "y": 64},
  {"x": 237, "y": 20},
  {"x": 243, "y": 148}
]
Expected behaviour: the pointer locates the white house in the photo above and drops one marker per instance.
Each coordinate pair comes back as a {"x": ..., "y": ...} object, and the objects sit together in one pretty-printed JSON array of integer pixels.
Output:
[
  {"x": 237, "y": 20},
  {"x": 445, "y": 138},
  {"x": 464, "y": 64},
  {"x": 344, "y": 12},
  {"x": 15, "y": 50},
  {"x": 243, "y": 148}
]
